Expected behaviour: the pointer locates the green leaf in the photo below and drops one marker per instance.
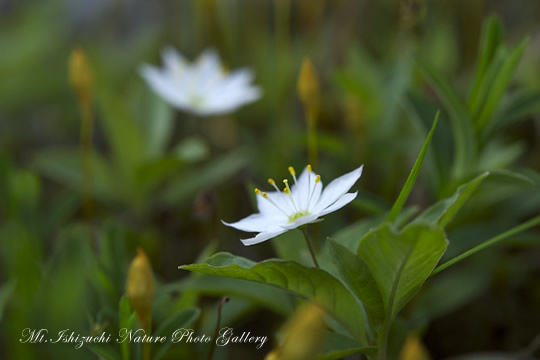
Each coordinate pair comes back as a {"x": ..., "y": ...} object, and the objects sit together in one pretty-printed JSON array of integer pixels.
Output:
[
  {"x": 338, "y": 346},
  {"x": 401, "y": 262},
  {"x": 269, "y": 297},
  {"x": 126, "y": 319},
  {"x": 177, "y": 321},
  {"x": 124, "y": 135},
  {"x": 406, "y": 190},
  {"x": 307, "y": 282},
  {"x": 356, "y": 275},
  {"x": 207, "y": 176},
  {"x": 104, "y": 350},
  {"x": 460, "y": 119},
  {"x": 443, "y": 211},
  {"x": 501, "y": 82},
  {"x": 64, "y": 166},
  {"x": 492, "y": 35},
  {"x": 518, "y": 107},
  {"x": 351, "y": 235},
  {"x": 6, "y": 291}
]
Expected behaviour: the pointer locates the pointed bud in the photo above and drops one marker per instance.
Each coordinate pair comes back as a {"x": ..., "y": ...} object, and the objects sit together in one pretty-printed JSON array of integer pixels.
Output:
[
  {"x": 308, "y": 86},
  {"x": 305, "y": 334},
  {"x": 414, "y": 349},
  {"x": 140, "y": 288},
  {"x": 80, "y": 75}
]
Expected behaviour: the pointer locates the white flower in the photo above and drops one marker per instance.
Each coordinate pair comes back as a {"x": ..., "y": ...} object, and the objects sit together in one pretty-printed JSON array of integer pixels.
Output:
[
  {"x": 202, "y": 87},
  {"x": 301, "y": 204}
]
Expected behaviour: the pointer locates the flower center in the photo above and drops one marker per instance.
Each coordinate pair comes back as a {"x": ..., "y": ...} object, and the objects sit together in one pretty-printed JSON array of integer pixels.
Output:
[
  {"x": 197, "y": 101},
  {"x": 298, "y": 215}
]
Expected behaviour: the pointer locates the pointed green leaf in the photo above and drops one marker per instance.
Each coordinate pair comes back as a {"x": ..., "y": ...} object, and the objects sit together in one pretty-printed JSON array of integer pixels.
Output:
[
  {"x": 406, "y": 190},
  {"x": 492, "y": 35},
  {"x": 443, "y": 211},
  {"x": 460, "y": 120},
  {"x": 126, "y": 320},
  {"x": 357, "y": 276},
  {"x": 401, "y": 262},
  {"x": 307, "y": 282},
  {"x": 501, "y": 82}
]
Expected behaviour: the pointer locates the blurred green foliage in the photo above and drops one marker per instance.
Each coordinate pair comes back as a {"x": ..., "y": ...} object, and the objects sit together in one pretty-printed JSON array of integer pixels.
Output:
[{"x": 162, "y": 179}]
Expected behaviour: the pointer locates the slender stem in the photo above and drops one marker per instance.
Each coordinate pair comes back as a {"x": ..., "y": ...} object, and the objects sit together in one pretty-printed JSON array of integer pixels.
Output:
[
  {"x": 310, "y": 247},
  {"x": 146, "y": 345},
  {"x": 224, "y": 300},
  {"x": 526, "y": 225}
]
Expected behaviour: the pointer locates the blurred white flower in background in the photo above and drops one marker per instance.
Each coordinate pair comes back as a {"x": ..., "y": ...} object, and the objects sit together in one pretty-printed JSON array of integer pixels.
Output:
[
  {"x": 202, "y": 87},
  {"x": 303, "y": 203}
]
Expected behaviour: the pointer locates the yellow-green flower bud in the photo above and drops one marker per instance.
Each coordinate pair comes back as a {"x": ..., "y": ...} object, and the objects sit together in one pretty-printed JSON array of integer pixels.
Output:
[
  {"x": 80, "y": 76},
  {"x": 305, "y": 335},
  {"x": 308, "y": 86},
  {"x": 414, "y": 349},
  {"x": 140, "y": 288}
]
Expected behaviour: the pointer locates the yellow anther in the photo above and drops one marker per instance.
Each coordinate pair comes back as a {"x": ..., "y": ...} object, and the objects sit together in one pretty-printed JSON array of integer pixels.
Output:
[
  {"x": 317, "y": 179},
  {"x": 265, "y": 195},
  {"x": 286, "y": 190},
  {"x": 291, "y": 170},
  {"x": 271, "y": 182},
  {"x": 257, "y": 191},
  {"x": 309, "y": 168}
]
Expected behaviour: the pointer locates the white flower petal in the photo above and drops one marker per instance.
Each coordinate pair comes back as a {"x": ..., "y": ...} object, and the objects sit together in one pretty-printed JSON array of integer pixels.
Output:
[
  {"x": 337, "y": 188},
  {"x": 341, "y": 202},
  {"x": 263, "y": 237},
  {"x": 306, "y": 188},
  {"x": 163, "y": 86},
  {"x": 277, "y": 205},
  {"x": 174, "y": 62},
  {"x": 301, "y": 221},
  {"x": 253, "y": 223}
]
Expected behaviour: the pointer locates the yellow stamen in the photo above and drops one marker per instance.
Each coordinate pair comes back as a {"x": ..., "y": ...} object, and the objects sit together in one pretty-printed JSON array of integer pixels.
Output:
[
  {"x": 317, "y": 179},
  {"x": 257, "y": 191},
  {"x": 286, "y": 190},
  {"x": 291, "y": 170},
  {"x": 271, "y": 182},
  {"x": 286, "y": 182},
  {"x": 265, "y": 195},
  {"x": 309, "y": 168}
]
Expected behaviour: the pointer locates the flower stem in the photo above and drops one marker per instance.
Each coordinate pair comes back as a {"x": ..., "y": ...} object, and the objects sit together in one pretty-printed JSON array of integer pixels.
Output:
[
  {"x": 224, "y": 300},
  {"x": 310, "y": 246}
]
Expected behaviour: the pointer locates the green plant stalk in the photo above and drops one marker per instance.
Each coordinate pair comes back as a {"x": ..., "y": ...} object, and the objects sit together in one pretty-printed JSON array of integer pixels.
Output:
[
  {"x": 146, "y": 345},
  {"x": 494, "y": 240},
  {"x": 310, "y": 246},
  {"x": 86, "y": 158},
  {"x": 389, "y": 318},
  {"x": 312, "y": 137}
]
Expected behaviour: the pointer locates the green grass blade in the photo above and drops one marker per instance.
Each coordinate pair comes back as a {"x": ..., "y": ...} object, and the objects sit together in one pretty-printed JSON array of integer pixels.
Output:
[
  {"x": 494, "y": 240},
  {"x": 406, "y": 190}
]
